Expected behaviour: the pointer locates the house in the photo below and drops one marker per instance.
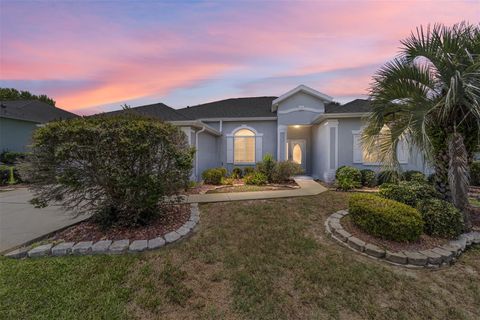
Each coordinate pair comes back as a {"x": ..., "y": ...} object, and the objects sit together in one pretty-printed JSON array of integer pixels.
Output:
[
  {"x": 18, "y": 120},
  {"x": 302, "y": 125}
]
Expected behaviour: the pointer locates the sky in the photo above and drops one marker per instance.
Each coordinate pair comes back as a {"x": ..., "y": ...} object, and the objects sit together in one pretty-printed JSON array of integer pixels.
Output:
[{"x": 94, "y": 56}]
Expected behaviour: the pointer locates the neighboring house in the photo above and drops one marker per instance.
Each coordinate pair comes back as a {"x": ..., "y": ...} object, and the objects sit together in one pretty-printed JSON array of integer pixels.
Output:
[
  {"x": 18, "y": 120},
  {"x": 302, "y": 125}
]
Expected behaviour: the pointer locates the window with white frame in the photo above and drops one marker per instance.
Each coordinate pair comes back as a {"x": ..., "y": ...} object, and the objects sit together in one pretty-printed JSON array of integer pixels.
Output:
[
  {"x": 244, "y": 146},
  {"x": 362, "y": 155}
]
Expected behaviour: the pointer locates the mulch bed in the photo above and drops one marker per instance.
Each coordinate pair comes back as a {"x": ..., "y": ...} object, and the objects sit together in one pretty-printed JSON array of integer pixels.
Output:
[
  {"x": 90, "y": 231},
  {"x": 238, "y": 188},
  {"x": 424, "y": 243},
  {"x": 205, "y": 188}
]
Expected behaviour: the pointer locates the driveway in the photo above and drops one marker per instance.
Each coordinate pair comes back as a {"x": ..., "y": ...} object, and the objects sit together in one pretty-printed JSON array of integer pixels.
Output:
[{"x": 20, "y": 222}]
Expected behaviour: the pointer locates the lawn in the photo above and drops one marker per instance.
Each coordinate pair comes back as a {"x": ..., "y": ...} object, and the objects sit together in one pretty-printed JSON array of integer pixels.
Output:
[{"x": 247, "y": 260}]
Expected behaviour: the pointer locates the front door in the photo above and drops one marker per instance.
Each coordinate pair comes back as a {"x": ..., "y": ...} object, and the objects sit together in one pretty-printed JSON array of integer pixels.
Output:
[{"x": 297, "y": 152}]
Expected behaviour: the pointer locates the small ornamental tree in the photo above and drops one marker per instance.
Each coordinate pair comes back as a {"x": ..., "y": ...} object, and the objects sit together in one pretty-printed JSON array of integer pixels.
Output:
[{"x": 125, "y": 170}]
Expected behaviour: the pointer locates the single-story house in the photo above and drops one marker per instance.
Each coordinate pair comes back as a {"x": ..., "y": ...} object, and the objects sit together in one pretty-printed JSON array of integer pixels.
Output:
[
  {"x": 302, "y": 125},
  {"x": 18, "y": 120}
]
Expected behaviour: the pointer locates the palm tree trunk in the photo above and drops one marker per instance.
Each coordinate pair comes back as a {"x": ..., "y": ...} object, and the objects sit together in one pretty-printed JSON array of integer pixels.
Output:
[{"x": 441, "y": 175}]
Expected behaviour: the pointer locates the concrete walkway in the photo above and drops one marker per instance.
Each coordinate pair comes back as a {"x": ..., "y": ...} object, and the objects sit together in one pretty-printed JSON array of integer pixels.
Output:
[
  {"x": 308, "y": 187},
  {"x": 20, "y": 222}
]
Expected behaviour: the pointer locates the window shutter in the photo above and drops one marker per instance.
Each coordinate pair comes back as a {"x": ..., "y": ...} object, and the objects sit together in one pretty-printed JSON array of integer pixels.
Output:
[
  {"x": 357, "y": 149},
  {"x": 229, "y": 149},
  {"x": 258, "y": 148},
  {"x": 402, "y": 151}
]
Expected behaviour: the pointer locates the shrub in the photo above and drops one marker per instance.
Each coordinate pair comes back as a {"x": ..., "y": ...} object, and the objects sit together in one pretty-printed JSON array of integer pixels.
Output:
[
  {"x": 9, "y": 157},
  {"x": 248, "y": 170},
  {"x": 475, "y": 173},
  {"x": 227, "y": 181},
  {"x": 213, "y": 176},
  {"x": 407, "y": 192},
  {"x": 369, "y": 178},
  {"x": 256, "y": 178},
  {"x": 441, "y": 218},
  {"x": 267, "y": 166},
  {"x": 284, "y": 170},
  {"x": 237, "y": 173},
  {"x": 224, "y": 171},
  {"x": 349, "y": 178},
  {"x": 413, "y": 175},
  {"x": 130, "y": 167},
  {"x": 338, "y": 170},
  {"x": 385, "y": 218},
  {"x": 387, "y": 176}
]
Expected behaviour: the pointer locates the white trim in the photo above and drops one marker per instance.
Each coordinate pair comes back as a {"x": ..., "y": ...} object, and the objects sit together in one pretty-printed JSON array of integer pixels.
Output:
[
  {"x": 239, "y": 119},
  {"x": 188, "y": 133},
  {"x": 196, "y": 124},
  {"x": 196, "y": 148},
  {"x": 281, "y": 128},
  {"x": 332, "y": 124},
  {"x": 326, "y": 116},
  {"x": 299, "y": 108},
  {"x": 301, "y": 88},
  {"x": 244, "y": 126}
]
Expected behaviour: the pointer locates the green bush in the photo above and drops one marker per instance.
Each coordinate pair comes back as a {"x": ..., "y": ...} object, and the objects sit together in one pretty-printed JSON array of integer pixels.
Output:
[
  {"x": 213, "y": 176},
  {"x": 385, "y": 218},
  {"x": 227, "y": 181},
  {"x": 441, "y": 218},
  {"x": 475, "y": 173},
  {"x": 369, "y": 178},
  {"x": 349, "y": 178},
  {"x": 387, "y": 176},
  {"x": 10, "y": 157},
  {"x": 267, "y": 166},
  {"x": 413, "y": 175},
  {"x": 285, "y": 170},
  {"x": 256, "y": 178},
  {"x": 237, "y": 173},
  {"x": 338, "y": 170},
  {"x": 248, "y": 170},
  {"x": 130, "y": 167},
  {"x": 407, "y": 192}
]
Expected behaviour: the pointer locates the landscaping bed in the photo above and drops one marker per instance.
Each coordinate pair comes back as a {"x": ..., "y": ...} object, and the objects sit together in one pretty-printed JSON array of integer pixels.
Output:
[
  {"x": 90, "y": 231},
  {"x": 248, "y": 188}
]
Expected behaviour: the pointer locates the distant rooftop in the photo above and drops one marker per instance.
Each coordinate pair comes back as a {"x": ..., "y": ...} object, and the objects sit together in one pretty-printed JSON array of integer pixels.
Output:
[{"x": 33, "y": 111}]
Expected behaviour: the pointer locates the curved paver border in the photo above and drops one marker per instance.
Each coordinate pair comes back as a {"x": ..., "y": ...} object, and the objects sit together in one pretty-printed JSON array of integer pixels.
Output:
[
  {"x": 109, "y": 246},
  {"x": 431, "y": 258}
]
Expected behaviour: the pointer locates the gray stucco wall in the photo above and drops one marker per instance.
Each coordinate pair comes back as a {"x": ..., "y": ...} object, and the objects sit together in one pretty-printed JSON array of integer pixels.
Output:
[
  {"x": 303, "y": 133},
  {"x": 15, "y": 135},
  {"x": 300, "y": 117},
  {"x": 208, "y": 154}
]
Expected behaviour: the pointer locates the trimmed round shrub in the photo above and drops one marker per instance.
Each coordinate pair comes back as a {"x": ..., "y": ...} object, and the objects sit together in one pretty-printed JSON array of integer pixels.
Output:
[
  {"x": 369, "y": 178},
  {"x": 237, "y": 173},
  {"x": 407, "y": 192},
  {"x": 248, "y": 170},
  {"x": 441, "y": 218},
  {"x": 349, "y": 178},
  {"x": 413, "y": 175},
  {"x": 124, "y": 169},
  {"x": 387, "y": 176},
  {"x": 475, "y": 173},
  {"x": 285, "y": 170},
  {"x": 256, "y": 178},
  {"x": 338, "y": 170},
  {"x": 384, "y": 218},
  {"x": 213, "y": 176}
]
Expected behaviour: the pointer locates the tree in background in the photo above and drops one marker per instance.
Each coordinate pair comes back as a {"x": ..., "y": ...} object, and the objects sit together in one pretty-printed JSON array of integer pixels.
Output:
[
  {"x": 14, "y": 94},
  {"x": 430, "y": 96}
]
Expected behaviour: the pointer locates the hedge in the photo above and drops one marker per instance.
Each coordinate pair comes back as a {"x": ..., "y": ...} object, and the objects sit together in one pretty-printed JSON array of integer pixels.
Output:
[
  {"x": 441, "y": 218},
  {"x": 407, "y": 192}
]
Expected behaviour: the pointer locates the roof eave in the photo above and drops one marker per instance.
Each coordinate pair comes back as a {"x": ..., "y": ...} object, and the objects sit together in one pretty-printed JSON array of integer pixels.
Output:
[
  {"x": 196, "y": 124},
  {"x": 326, "y": 116}
]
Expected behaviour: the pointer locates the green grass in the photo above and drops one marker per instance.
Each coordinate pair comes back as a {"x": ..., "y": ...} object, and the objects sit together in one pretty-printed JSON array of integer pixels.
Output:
[{"x": 247, "y": 260}]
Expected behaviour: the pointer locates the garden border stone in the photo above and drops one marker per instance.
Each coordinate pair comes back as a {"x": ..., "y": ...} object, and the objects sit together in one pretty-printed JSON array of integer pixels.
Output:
[
  {"x": 109, "y": 246},
  {"x": 431, "y": 258}
]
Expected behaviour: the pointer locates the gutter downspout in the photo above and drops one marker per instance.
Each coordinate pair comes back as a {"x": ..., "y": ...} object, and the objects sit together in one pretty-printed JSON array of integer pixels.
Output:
[{"x": 196, "y": 150}]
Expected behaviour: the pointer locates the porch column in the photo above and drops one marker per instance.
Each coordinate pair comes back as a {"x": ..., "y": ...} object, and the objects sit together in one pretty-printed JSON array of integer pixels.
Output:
[
  {"x": 332, "y": 126},
  {"x": 281, "y": 142}
]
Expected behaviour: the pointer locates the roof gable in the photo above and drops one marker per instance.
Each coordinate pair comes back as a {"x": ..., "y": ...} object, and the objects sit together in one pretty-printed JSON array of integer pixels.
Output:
[{"x": 300, "y": 88}]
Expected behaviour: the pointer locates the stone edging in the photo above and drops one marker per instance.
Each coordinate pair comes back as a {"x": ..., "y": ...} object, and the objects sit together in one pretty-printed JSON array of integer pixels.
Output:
[
  {"x": 431, "y": 258},
  {"x": 109, "y": 246}
]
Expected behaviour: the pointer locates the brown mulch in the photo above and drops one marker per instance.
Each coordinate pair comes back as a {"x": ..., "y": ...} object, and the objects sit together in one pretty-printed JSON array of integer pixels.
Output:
[
  {"x": 90, "y": 231},
  {"x": 205, "y": 188},
  {"x": 424, "y": 243}
]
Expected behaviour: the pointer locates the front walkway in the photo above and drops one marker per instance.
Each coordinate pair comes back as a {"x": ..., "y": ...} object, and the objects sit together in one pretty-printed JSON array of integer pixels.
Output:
[{"x": 308, "y": 187}]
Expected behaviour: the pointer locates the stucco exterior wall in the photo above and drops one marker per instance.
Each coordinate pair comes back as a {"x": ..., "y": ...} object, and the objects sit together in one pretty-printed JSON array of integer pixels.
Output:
[
  {"x": 208, "y": 153},
  {"x": 309, "y": 109},
  {"x": 16, "y": 135}
]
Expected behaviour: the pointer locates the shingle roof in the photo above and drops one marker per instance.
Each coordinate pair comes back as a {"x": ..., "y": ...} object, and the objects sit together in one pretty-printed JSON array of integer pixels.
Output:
[
  {"x": 357, "y": 105},
  {"x": 32, "y": 110},
  {"x": 231, "y": 108},
  {"x": 158, "y": 110}
]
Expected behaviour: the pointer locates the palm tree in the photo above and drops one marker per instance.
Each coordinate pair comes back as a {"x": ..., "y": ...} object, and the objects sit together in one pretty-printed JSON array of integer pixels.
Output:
[{"x": 429, "y": 96}]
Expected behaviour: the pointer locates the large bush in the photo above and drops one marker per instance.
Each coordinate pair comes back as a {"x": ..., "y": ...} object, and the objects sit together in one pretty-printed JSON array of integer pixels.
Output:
[
  {"x": 123, "y": 169},
  {"x": 441, "y": 218},
  {"x": 237, "y": 173},
  {"x": 256, "y": 178},
  {"x": 248, "y": 170},
  {"x": 385, "y": 218},
  {"x": 213, "y": 176},
  {"x": 414, "y": 175},
  {"x": 407, "y": 192},
  {"x": 267, "y": 166},
  {"x": 349, "y": 178},
  {"x": 285, "y": 170},
  {"x": 369, "y": 178},
  {"x": 387, "y": 176},
  {"x": 475, "y": 173}
]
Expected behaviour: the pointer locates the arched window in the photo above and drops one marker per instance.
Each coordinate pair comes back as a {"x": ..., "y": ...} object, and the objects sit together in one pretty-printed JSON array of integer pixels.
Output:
[{"x": 244, "y": 146}]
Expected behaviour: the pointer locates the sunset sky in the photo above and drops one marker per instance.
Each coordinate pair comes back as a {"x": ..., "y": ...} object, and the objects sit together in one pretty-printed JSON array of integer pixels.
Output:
[{"x": 93, "y": 56}]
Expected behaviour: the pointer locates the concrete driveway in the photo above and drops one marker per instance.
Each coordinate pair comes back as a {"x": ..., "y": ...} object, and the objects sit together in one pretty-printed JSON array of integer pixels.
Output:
[{"x": 20, "y": 222}]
